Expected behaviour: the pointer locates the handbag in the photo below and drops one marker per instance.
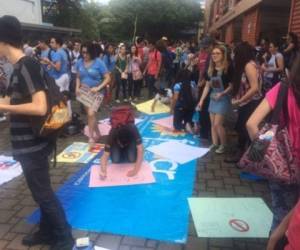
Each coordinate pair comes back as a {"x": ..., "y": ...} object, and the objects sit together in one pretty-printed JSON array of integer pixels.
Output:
[
  {"x": 124, "y": 76},
  {"x": 270, "y": 155},
  {"x": 137, "y": 75}
]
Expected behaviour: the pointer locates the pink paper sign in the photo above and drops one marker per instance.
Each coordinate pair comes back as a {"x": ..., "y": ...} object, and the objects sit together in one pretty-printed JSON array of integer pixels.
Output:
[
  {"x": 166, "y": 122},
  {"x": 117, "y": 175},
  {"x": 104, "y": 129}
]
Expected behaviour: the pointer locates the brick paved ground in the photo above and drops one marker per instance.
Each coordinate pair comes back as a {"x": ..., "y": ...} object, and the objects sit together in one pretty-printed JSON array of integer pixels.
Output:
[{"x": 214, "y": 179}]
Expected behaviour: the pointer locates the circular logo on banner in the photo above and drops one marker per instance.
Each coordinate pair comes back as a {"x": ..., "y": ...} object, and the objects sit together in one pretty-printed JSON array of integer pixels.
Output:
[
  {"x": 71, "y": 155},
  {"x": 239, "y": 225}
]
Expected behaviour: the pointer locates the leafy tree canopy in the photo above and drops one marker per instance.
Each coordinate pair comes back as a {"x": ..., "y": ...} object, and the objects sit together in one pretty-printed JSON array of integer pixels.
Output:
[{"x": 116, "y": 21}]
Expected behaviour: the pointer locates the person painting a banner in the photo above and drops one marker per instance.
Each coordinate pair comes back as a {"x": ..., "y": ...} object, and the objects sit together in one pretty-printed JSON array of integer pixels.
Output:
[
  {"x": 92, "y": 78},
  {"x": 124, "y": 142},
  {"x": 164, "y": 96}
]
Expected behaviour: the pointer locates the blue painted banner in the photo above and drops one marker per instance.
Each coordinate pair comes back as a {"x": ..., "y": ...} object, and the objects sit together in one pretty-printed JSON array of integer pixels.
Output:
[{"x": 156, "y": 211}]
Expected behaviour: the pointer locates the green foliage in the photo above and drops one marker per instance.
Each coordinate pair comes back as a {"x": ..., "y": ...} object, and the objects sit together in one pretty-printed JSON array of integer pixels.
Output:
[{"x": 116, "y": 21}]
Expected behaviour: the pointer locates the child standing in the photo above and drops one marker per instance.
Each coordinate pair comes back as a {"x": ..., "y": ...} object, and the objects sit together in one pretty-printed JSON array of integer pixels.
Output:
[{"x": 183, "y": 103}]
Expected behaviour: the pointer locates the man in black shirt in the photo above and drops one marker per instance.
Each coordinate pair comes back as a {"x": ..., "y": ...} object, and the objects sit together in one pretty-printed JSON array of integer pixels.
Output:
[
  {"x": 25, "y": 99},
  {"x": 123, "y": 145}
]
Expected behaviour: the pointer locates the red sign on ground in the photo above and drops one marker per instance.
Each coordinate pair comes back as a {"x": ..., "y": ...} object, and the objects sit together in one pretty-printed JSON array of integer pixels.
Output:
[{"x": 239, "y": 225}]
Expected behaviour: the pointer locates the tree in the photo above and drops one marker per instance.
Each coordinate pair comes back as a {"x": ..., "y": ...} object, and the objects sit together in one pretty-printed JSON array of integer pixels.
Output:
[
  {"x": 155, "y": 17},
  {"x": 117, "y": 21}
]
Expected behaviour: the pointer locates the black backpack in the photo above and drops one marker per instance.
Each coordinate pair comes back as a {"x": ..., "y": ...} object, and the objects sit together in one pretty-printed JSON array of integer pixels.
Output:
[
  {"x": 186, "y": 97},
  {"x": 51, "y": 125}
]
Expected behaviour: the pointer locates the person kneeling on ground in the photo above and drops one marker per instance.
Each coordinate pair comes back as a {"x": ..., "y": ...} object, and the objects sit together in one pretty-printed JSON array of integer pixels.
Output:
[
  {"x": 124, "y": 145},
  {"x": 164, "y": 96}
]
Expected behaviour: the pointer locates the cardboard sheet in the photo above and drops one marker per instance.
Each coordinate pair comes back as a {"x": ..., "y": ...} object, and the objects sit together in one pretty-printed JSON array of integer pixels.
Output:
[
  {"x": 117, "y": 176},
  {"x": 79, "y": 152},
  {"x": 231, "y": 217},
  {"x": 145, "y": 107},
  {"x": 178, "y": 152},
  {"x": 9, "y": 169}
]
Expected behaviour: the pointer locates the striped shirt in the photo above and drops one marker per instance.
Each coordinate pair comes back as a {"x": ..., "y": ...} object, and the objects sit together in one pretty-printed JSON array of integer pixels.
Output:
[{"x": 25, "y": 81}]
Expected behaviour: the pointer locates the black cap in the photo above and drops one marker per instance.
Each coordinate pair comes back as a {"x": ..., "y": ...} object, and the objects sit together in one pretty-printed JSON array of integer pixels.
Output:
[{"x": 10, "y": 30}]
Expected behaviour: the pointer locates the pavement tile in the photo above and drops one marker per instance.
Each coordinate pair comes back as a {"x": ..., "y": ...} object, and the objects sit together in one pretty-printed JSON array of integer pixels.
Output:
[
  {"x": 168, "y": 246},
  {"x": 4, "y": 228},
  {"x": 133, "y": 241},
  {"x": 142, "y": 248},
  {"x": 151, "y": 243},
  {"x": 215, "y": 184},
  {"x": 221, "y": 242},
  {"x": 195, "y": 243},
  {"x": 25, "y": 211},
  {"x": 16, "y": 243},
  {"x": 112, "y": 242},
  {"x": 5, "y": 215},
  {"x": 3, "y": 244},
  {"x": 22, "y": 227}
]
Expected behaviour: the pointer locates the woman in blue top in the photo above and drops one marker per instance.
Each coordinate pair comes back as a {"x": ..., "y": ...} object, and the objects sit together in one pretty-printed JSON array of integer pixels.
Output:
[
  {"x": 218, "y": 80},
  {"x": 91, "y": 72}
]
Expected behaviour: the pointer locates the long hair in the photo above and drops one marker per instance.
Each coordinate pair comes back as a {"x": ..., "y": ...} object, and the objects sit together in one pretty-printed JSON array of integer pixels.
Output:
[
  {"x": 294, "y": 39},
  {"x": 92, "y": 50},
  {"x": 136, "y": 51},
  {"x": 295, "y": 79},
  {"x": 106, "y": 52},
  {"x": 243, "y": 54},
  {"x": 212, "y": 65}
]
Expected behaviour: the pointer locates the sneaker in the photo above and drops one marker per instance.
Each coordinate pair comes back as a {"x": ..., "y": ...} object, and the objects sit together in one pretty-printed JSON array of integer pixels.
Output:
[
  {"x": 213, "y": 147},
  {"x": 117, "y": 101},
  {"x": 125, "y": 100},
  {"x": 2, "y": 119},
  {"x": 221, "y": 149},
  {"x": 65, "y": 244},
  {"x": 37, "y": 238}
]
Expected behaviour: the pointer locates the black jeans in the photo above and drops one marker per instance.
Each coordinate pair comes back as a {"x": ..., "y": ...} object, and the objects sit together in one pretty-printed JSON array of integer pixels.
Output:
[
  {"x": 244, "y": 114},
  {"x": 126, "y": 154},
  {"x": 121, "y": 83},
  {"x": 150, "y": 79},
  {"x": 182, "y": 117},
  {"x": 134, "y": 87},
  {"x": 36, "y": 171},
  {"x": 205, "y": 125}
]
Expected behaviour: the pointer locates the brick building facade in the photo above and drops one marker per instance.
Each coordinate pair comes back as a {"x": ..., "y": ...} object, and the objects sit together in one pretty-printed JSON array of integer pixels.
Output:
[{"x": 250, "y": 20}]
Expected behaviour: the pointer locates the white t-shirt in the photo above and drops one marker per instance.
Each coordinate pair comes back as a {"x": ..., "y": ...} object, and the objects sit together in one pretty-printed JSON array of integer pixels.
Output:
[
  {"x": 271, "y": 64},
  {"x": 75, "y": 56},
  {"x": 164, "y": 99}
]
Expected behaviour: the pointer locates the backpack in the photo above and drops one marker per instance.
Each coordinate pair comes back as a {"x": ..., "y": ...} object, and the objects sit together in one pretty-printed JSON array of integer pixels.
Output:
[
  {"x": 57, "y": 115},
  {"x": 121, "y": 116},
  {"x": 49, "y": 54},
  {"x": 52, "y": 124},
  {"x": 69, "y": 58},
  {"x": 187, "y": 100}
]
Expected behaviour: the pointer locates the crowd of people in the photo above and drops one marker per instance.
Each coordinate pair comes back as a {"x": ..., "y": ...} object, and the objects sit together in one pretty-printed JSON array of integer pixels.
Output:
[{"x": 203, "y": 83}]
